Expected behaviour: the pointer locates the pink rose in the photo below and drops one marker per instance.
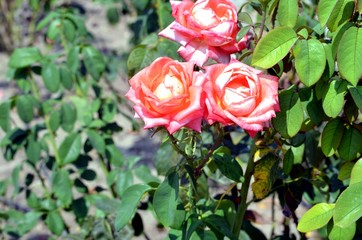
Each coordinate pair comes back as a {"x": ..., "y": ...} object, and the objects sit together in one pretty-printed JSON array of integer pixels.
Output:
[
  {"x": 205, "y": 29},
  {"x": 168, "y": 93},
  {"x": 239, "y": 94}
]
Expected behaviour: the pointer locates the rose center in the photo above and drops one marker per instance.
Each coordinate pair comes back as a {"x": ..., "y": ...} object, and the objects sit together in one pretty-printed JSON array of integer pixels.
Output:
[
  {"x": 205, "y": 17},
  {"x": 170, "y": 87},
  {"x": 237, "y": 99}
]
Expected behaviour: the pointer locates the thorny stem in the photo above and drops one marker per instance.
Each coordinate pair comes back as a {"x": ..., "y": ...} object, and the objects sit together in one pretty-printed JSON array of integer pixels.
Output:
[{"x": 245, "y": 189}]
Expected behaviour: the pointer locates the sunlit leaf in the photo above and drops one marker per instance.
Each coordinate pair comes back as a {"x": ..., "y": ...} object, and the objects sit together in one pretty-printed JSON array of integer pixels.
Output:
[
  {"x": 273, "y": 47},
  {"x": 316, "y": 217},
  {"x": 288, "y": 12},
  {"x": 349, "y": 55},
  {"x": 331, "y": 136},
  {"x": 349, "y": 206},
  {"x": 333, "y": 98}
]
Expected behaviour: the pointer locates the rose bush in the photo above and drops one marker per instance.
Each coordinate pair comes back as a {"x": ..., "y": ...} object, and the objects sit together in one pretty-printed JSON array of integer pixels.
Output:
[
  {"x": 205, "y": 29},
  {"x": 239, "y": 94},
  {"x": 168, "y": 93}
]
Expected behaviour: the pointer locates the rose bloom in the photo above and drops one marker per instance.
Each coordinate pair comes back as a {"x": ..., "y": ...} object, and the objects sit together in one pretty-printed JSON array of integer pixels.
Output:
[
  {"x": 205, "y": 29},
  {"x": 168, "y": 93},
  {"x": 239, "y": 94}
]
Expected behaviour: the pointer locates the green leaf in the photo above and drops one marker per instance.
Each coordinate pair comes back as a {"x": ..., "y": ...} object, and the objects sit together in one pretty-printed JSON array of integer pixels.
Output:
[
  {"x": 33, "y": 150},
  {"x": 341, "y": 13},
  {"x": 69, "y": 30},
  {"x": 124, "y": 180},
  {"x": 23, "y": 57},
  {"x": 288, "y": 161},
  {"x": 62, "y": 187},
  {"x": 227, "y": 164},
  {"x": 46, "y": 20},
  {"x": 94, "y": 62},
  {"x": 356, "y": 93},
  {"x": 290, "y": 118},
  {"x": 5, "y": 116},
  {"x": 288, "y": 12},
  {"x": 218, "y": 224},
  {"x": 137, "y": 58},
  {"x": 327, "y": 9},
  {"x": 331, "y": 136},
  {"x": 356, "y": 174},
  {"x": 310, "y": 60},
  {"x": 165, "y": 199},
  {"x": 273, "y": 47},
  {"x": 350, "y": 147},
  {"x": 54, "y": 28},
  {"x": 330, "y": 66},
  {"x": 112, "y": 15},
  {"x": 97, "y": 141},
  {"x": 316, "y": 217},
  {"x": 132, "y": 197},
  {"x": 337, "y": 36},
  {"x": 51, "y": 76},
  {"x": 66, "y": 77},
  {"x": 73, "y": 59},
  {"x": 54, "y": 120},
  {"x": 55, "y": 222},
  {"x": 24, "y": 107},
  {"x": 333, "y": 99},
  {"x": 164, "y": 14},
  {"x": 68, "y": 116},
  {"x": 338, "y": 233},
  {"x": 349, "y": 206},
  {"x": 70, "y": 148},
  {"x": 349, "y": 55}
]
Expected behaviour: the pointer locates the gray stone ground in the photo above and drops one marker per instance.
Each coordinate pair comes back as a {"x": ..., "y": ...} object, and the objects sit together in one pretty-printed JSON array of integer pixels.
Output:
[{"x": 118, "y": 37}]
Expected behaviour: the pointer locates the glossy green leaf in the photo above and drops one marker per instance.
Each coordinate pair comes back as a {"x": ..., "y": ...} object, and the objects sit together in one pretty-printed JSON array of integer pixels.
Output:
[
  {"x": 227, "y": 164},
  {"x": 349, "y": 206},
  {"x": 350, "y": 147},
  {"x": 310, "y": 60},
  {"x": 24, "y": 107},
  {"x": 165, "y": 199},
  {"x": 288, "y": 12},
  {"x": 356, "y": 173},
  {"x": 316, "y": 217},
  {"x": 164, "y": 14},
  {"x": 5, "y": 116},
  {"x": 290, "y": 118},
  {"x": 345, "y": 171},
  {"x": 326, "y": 8},
  {"x": 70, "y": 148},
  {"x": 337, "y": 36},
  {"x": 331, "y": 136},
  {"x": 341, "y": 13},
  {"x": 97, "y": 141},
  {"x": 68, "y": 116},
  {"x": 94, "y": 62},
  {"x": 338, "y": 233},
  {"x": 55, "y": 222},
  {"x": 130, "y": 201},
  {"x": 62, "y": 187},
  {"x": 333, "y": 99},
  {"x": 273, "y": 47},
  {"x": 136, "y": 58},
  {"x": 349, "y": 55},
  {"x": 23, "y": 57},
  {"x": 356, "y": 93},
  {"x": 51, "y": 76},
  {"x": 66, "y": 77}
]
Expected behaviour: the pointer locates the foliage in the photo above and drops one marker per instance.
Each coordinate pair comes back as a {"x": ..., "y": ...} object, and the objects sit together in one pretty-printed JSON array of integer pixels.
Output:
[{"x": 310, "y": 154}]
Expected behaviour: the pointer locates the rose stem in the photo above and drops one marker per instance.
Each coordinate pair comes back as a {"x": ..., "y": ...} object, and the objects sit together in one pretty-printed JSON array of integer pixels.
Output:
[{"x": 245, "y": 189}]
